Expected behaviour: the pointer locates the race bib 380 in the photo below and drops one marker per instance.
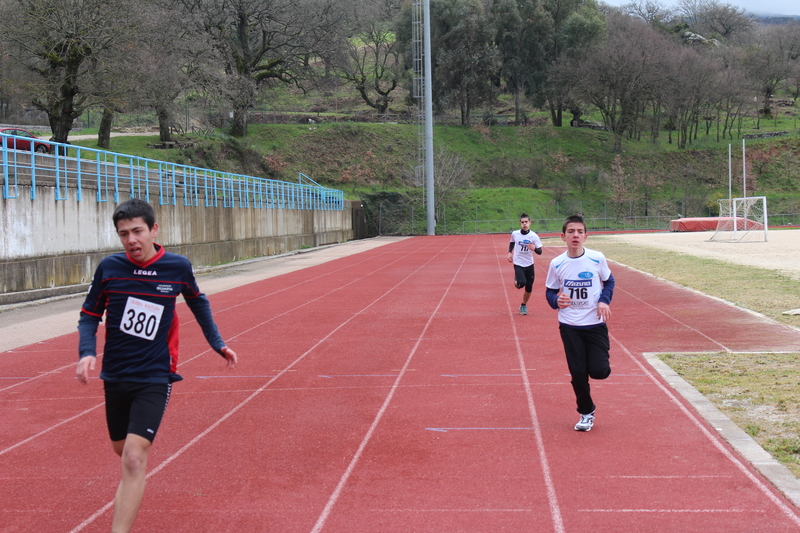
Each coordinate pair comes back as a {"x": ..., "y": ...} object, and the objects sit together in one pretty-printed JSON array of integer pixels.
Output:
[{"x": 141, "y": 318}]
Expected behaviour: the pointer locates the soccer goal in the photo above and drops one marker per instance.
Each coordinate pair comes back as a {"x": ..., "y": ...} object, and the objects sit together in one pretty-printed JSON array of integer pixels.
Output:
[{"x": 742, "y": 220}]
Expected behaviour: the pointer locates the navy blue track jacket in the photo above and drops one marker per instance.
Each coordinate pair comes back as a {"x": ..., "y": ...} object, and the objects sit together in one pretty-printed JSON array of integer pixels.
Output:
[{"x": 141, "y": 343}]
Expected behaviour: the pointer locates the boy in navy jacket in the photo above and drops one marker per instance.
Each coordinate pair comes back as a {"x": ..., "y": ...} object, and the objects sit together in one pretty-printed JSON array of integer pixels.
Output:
[{"x": 136, "y": 291}]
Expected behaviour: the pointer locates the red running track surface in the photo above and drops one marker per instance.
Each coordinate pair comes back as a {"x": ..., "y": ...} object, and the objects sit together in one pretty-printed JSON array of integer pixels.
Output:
[{"x": 399, "y": 390}]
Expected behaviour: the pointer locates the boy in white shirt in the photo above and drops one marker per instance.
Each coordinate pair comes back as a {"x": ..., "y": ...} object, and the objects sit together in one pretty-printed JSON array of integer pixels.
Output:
[
  {"x": 523, "y": 243},
  {"x": 580, "y": 285}
]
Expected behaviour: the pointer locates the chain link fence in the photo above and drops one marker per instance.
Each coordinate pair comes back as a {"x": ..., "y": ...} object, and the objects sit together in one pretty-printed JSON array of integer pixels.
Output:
[{"x": 394, "y": 214}]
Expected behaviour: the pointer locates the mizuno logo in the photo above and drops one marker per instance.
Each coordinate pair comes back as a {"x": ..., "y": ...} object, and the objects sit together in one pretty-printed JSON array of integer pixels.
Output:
[{"x": 577, "y": 283}]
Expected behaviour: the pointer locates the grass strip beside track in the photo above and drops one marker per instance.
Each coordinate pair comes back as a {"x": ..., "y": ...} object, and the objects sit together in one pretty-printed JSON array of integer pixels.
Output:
[{"x": 758, "y": 391}]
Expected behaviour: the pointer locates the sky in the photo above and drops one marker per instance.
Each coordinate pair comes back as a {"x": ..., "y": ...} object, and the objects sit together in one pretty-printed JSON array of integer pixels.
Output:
[{"x": 756, "y": 7}]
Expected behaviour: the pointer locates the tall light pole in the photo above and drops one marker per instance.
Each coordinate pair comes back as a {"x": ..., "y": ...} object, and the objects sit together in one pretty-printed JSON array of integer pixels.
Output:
[{"x": 431, "y": 207}]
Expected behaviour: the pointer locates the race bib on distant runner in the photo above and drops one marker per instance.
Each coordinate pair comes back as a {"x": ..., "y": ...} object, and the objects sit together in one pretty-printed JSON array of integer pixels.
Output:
[{"x": 141, "y": 318}]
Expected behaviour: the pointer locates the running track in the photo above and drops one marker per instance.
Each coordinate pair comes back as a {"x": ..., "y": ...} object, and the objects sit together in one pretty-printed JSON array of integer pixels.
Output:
[{"x": 398, "y": 390}]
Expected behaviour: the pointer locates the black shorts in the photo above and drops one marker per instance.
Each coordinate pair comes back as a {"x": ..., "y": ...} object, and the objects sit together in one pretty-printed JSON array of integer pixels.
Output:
[
  {"x": 135, "y": 408},
  {"x": 523, "y": 276}
]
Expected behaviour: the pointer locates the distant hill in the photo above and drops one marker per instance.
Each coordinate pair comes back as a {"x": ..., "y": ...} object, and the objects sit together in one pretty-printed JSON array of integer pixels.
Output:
[{"x": 776, "y": 20}]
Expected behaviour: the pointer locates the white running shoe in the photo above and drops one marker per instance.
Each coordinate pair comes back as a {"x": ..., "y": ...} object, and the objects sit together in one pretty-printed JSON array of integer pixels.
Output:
[{"x": 585, "y": 423}]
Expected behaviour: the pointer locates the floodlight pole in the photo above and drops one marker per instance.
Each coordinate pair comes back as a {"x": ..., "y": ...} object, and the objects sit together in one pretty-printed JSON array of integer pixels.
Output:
[
  {"x": 744, "y": 174},
  {"x": 431, "y": 207},
  {"x": 730, "y": 180}
]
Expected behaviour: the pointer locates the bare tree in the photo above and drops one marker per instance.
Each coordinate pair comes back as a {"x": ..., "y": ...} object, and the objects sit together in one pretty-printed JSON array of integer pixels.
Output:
[
  {"x": 369, "y": 58},
  {"x": 653, "y": 12},
  {"x": 770, "y": 59},
  {"x": 261, "y": 41},
  {"x": 65, "y": 43},
  {"x": 621, "y": 75},
  {"x": 170, "y": 62},
  {"x": 712, "y": 18},
  {"x": 452, "y": 178},
  {"x": 685, "y": 88}
]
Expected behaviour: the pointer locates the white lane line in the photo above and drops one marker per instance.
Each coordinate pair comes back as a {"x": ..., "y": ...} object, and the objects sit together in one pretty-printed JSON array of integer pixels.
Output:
[
  {"x": 216, "y": 312},
  {"x": 198, "y": 355},
  {"x": 690, "y": 511},
  {"x": 684, "y": 324},
  {"x": 43, "y": 374},
  {"x": 51, "y": 428},
  {"x": 337, "y": 492},
  {"x": 715, "y": 439},
  {"x": 247, "y": 400},
  {"x": 552, "y": 497}
]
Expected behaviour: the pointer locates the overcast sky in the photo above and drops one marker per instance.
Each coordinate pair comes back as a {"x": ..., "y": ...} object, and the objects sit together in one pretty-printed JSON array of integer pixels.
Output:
[{"x": 756, "y": 7}]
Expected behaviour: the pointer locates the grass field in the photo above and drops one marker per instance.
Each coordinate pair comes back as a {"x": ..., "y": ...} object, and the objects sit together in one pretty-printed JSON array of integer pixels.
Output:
[{"x": 760, "y": 392}]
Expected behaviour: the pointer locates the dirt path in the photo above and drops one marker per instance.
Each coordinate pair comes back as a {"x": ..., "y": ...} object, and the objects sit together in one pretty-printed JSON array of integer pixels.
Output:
[{"x": 781, "y": 253}]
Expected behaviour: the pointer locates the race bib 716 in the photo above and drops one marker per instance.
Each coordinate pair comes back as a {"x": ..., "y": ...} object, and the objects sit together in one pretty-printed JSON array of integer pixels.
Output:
[{"x": 141, "y": 318}]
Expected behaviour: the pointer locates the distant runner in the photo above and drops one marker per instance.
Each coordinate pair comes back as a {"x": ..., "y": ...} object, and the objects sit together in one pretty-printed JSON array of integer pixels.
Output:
[{"x": 523, "y": 243}]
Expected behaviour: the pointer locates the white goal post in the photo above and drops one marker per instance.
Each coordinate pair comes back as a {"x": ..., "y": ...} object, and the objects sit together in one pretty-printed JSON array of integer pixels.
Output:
[{"x": 742, "y": 220}]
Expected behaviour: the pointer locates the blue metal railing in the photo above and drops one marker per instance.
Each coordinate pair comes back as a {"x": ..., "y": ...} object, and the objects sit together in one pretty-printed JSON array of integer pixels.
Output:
[{"x": 67, "y": 167}]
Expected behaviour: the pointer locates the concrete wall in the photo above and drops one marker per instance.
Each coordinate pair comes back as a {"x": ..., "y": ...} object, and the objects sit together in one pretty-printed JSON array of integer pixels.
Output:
[{"x": 49, "y": 247}]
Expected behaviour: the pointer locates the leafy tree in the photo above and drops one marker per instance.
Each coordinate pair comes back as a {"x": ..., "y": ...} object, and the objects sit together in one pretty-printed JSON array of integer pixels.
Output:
[
  {"x": 465, "y": 57},
  {"x": 522, "y": 27},
  {"x": 578, "y": 25}
]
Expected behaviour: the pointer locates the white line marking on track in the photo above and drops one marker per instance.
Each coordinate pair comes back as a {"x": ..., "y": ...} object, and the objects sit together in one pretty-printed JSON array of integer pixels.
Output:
[
  {"x": 247, "y": 400},
  {"x": 552, "y": 497},
  {"x": 445, "y": 430},
  {"x": 43, "y": 374},
  {"x": 51, "y": 428},
  {"x": 371, "y": 431},
  {"x": 656, "y": 477},
  {"x": 670, "y": 510},
  {"x": 715, "y": 439},
  {"x": 452, "y": 510},
  {"x": 725, "y": 348}
]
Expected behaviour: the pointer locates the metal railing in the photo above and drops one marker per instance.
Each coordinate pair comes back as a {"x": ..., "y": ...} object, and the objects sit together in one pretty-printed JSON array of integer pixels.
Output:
[{"x": 112, "y": 176}]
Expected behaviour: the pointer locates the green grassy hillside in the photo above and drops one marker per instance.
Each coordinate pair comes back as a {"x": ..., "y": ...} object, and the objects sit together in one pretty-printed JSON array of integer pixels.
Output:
[{"x": 543, "y": 170}]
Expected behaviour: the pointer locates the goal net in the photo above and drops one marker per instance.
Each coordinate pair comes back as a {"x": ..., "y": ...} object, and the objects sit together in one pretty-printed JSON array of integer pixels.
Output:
[{"x": 742, "y": 220}]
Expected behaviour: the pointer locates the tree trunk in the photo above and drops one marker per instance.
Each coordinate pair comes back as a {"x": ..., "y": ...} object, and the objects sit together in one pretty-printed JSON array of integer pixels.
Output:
[
  {"x": 239, "y": 126},
  {"x": 104, "y": 132},
  {"x": 555, "y": 112},
  {"x": 618, "y": 142},
  {"x": 767, "y": 103},
  {"x": 164, "y": 131},
  {"x": 61, "y": 120}
]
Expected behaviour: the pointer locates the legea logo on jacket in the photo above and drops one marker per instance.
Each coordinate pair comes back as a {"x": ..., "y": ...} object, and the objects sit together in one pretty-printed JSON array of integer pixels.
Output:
[{"x": 145, "y": 273}]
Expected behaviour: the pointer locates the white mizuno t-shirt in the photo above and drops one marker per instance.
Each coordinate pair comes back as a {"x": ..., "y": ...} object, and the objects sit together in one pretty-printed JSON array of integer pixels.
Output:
[
  {"x": 524, "y": 246},
  {"x": 582, "y": 278}
]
